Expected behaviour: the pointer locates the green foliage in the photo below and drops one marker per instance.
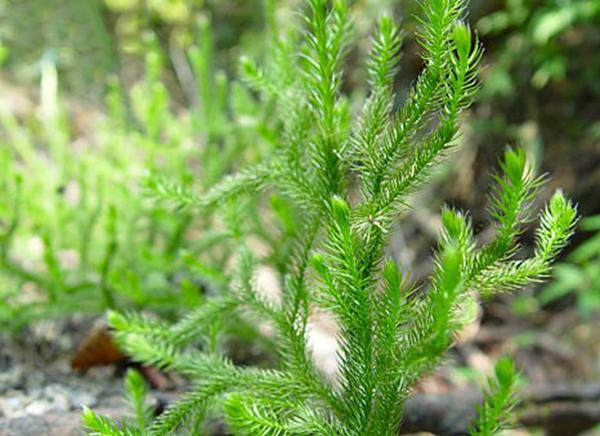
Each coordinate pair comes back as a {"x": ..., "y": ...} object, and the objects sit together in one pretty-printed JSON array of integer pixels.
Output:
[
  {"x": 345, "y": 179},
  {"x": 88, "y": 40},
  {"x": 100, "y": 425},
  {"x": 78, "y": 232},
  {"x": 135, "y": 392},
  {"x": 494, "y": 413},
  {"x": 74, "y": 36},
  {"x": 537, "y": 27},
  {"x": 579, "y": 274},
  {"x": 541, "y": 53}
]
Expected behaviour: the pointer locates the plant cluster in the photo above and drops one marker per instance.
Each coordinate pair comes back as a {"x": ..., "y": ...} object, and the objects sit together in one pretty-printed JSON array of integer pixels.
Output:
[
  {"x": 175, "y": 21},
  {"x": 78, "y": 232},
  {"x": 337, "y": 183},
  {"x": 89, "y": 40}
]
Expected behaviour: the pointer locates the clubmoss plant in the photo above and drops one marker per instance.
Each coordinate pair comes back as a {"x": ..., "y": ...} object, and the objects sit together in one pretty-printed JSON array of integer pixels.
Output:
[
  {"x": 136, "y": 391},
  {"x": 344, "y": 181},
  {"x": 78, "y": 232},
  {"x": 578, "y": 275},
  {"x": 494, "y": 413}
]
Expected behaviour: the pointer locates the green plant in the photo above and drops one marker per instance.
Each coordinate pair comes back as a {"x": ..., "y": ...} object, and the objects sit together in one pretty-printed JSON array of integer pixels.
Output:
[
  {"x": 494, "y": 413},
  {"x": 136, "y": 391},
  {"x": 540, "y": 28},
  {"x": 78, "y": 232},
  {"x": 579, "y": 274},
  {"x": 541, "y": 54},
  {"x": 340, "y": 185}
]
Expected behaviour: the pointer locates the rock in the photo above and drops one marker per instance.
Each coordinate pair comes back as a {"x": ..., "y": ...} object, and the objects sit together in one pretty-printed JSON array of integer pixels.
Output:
[
  {"x": 12, "y": 404},
  {"x": 60, "y": 423},
  {"x": 37, "y": 407},
  {"x": 37, "y": 382},
  {"x": 52, "y": 424},
  {"x": 78, "y": 399},
  {"x": 58, "y": 396}
]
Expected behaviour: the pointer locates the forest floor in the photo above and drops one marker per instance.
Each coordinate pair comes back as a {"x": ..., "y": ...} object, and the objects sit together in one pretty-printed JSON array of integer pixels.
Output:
[
  {"x": 41, "y": 394},
  {"x": 40, "y": 391}
]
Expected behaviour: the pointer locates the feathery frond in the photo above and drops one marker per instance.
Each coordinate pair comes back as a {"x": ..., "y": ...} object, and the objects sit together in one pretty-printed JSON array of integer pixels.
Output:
[{"x": 499, "y": 400}]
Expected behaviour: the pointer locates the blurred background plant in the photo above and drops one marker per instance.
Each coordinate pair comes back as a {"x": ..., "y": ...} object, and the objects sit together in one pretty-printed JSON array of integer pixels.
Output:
[
  {"x": 87, "y": 40},
  {"x": 544, "y": 31},
  {"x": 78, "y": 231}
]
